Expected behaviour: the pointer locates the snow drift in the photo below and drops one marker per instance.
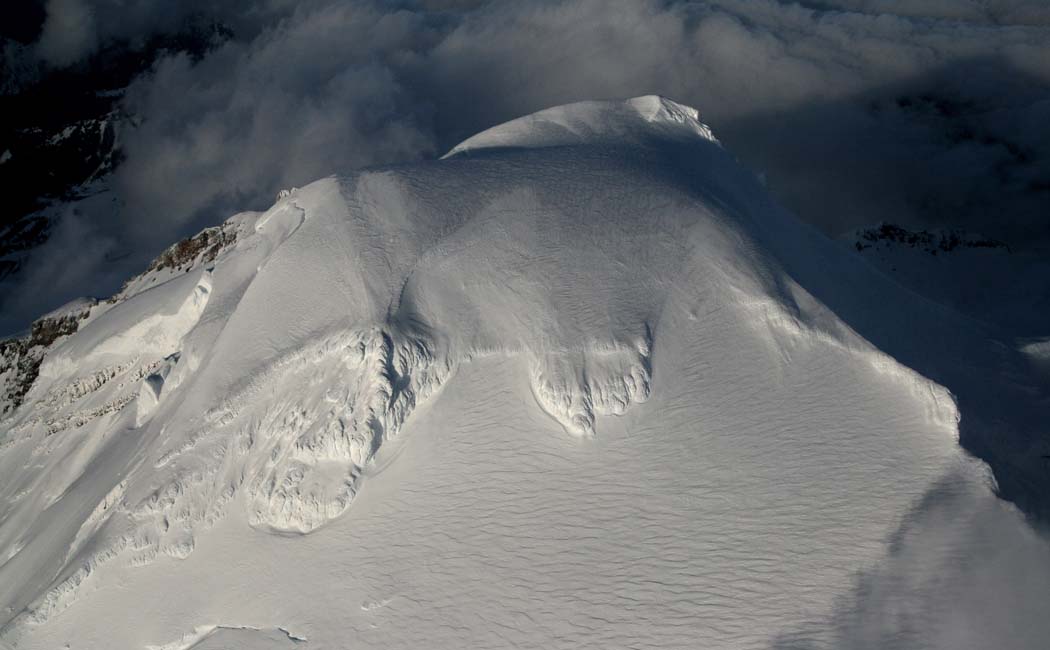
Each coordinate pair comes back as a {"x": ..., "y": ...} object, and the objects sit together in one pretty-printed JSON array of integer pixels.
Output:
[{"x": 305, "y": 422}]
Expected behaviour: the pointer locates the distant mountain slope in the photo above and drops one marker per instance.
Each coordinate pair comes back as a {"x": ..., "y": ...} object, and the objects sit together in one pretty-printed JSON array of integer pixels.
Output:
[
  {"x": 60, "y": 137},
  {"x": 579, "y": 383},
  {"x": 980, "y": 277}
]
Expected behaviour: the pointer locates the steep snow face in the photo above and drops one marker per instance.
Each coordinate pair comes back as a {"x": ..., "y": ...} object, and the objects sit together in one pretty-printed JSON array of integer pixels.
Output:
[{"x": 383, "y": 412}]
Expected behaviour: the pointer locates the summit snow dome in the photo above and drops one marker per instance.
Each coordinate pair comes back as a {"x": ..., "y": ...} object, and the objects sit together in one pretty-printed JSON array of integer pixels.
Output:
[{"x": 579, "y": 383}]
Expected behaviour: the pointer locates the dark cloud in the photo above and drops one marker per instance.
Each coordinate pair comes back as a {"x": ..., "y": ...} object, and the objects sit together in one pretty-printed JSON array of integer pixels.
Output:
[
  {"x": 70, "y": 32},
  {"x": 851, "y": 96},
  {"x": 926, "y": 112},
  {"x": 73, "y": 30},
  {"x": 994, "y": 12}
]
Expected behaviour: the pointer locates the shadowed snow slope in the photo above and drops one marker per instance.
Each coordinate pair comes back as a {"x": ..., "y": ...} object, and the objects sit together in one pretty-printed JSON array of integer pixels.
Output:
[{"x": 383, "y": 418}]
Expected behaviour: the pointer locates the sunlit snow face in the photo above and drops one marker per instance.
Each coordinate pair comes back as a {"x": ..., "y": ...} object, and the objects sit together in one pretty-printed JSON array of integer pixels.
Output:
[{"x": 584, "y": 357}]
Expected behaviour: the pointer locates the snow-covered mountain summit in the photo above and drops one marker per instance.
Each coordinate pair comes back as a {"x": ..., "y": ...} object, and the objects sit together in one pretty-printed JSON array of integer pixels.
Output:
[
  {"x": 642, "y": 120},
  {"x": 383, "y": 413}
]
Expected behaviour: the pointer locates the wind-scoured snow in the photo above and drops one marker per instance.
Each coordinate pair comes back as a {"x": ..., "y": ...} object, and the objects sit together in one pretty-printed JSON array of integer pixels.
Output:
[{"x": 580, "y": 383}]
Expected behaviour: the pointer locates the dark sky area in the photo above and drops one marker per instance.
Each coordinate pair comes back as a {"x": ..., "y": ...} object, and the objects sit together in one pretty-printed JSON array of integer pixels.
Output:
[{"x": 929, "y": 113}]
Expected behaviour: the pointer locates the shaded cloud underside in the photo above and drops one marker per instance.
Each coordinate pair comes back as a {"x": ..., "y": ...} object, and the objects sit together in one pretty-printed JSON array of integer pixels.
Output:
[{"x": 925, "y": 112}]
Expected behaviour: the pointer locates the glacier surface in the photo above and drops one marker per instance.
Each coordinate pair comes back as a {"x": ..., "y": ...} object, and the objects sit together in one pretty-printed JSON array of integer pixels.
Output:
[{"x": 579, "y": 383}]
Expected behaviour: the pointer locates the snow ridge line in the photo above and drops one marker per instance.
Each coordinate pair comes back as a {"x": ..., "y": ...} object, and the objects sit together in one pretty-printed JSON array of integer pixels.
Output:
[{"x": 786, "y": 318}]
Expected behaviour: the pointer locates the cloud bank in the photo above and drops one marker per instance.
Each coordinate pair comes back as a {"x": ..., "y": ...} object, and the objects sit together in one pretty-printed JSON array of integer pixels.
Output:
[{"x": 925, "y": 112}]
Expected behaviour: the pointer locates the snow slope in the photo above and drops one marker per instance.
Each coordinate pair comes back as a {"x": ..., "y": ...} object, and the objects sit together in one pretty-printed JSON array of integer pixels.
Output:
[{"x": 383, "y": 416}]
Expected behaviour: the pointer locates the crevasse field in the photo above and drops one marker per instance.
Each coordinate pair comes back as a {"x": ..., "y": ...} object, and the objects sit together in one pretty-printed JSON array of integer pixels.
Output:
[{"x": 578, "y": 384}]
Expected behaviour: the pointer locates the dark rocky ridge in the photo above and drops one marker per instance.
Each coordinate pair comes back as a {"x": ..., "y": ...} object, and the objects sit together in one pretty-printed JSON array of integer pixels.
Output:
[
  {"x": 931, "y": 242},
  {"x": 20, "y": 357}
]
